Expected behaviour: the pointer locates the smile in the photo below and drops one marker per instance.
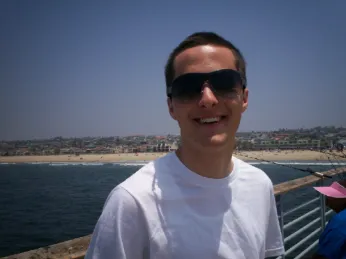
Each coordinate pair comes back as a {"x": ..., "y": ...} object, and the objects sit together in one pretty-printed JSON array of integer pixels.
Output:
[{"x": 210, "y": 120}]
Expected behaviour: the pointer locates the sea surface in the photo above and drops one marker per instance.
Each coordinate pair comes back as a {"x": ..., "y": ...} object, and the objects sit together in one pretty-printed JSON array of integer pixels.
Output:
[{"x": 43, "y": 204}]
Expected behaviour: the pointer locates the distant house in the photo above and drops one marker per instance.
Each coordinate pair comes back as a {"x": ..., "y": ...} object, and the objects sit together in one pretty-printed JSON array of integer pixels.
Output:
[
  {"x": 174, "y": 146},
  {"x": 66, "y": 151},
  {"x": 342, "y": 142},
  {"x": 282, "y": 136},
  {"x": 286, "y": 144}
]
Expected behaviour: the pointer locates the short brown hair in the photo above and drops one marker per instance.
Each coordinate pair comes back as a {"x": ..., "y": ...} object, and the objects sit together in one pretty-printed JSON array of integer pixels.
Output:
[{"x": 199, "y": 39}]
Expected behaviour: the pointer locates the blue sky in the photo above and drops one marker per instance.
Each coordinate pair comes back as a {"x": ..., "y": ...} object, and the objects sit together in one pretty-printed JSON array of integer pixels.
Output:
[{"x": 96, "y": 68}]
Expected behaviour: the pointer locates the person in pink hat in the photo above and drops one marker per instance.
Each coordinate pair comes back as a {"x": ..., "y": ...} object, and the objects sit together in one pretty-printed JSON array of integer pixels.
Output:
[{"x": 332, "y": 243}]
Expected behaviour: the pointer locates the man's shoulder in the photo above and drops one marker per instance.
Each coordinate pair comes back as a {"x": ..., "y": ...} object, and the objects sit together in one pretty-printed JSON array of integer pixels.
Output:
[
  {"x": 249, "y": 172},
  {"x": 333, "y": 237},
  {"x": 143, "y": 180},
  {"x": 339, "y": 222},
  {"x": 341, "y": 216}
]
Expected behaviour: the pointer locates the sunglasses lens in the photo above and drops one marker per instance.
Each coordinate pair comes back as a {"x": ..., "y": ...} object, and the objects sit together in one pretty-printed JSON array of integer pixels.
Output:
[
  {"x": 187, "y": 87},
  {"x": 226, "y": 82}
]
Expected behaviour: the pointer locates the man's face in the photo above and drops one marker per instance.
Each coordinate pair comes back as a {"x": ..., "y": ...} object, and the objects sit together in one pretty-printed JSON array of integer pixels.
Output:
[
  {"x": 336, "y": 204},
  {"x": 205, "y": 59}
]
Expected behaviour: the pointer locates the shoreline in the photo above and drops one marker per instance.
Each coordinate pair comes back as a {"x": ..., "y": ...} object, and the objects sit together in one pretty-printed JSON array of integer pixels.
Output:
[{"x": 283, "y": 155}]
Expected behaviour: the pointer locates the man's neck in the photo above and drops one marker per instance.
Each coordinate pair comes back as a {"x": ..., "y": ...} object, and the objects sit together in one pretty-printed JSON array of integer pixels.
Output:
[{"x": 212, "y": 165}]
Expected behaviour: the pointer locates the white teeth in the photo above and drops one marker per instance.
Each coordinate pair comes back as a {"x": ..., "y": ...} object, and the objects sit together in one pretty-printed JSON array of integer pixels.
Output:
[{"x": 209, "y": 120}]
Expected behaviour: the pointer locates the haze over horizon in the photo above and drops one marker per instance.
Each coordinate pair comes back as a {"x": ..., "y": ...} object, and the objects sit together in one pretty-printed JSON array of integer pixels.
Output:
[
  {"x": 140, "y": 134},
  {"x": 85, "y": 68}
]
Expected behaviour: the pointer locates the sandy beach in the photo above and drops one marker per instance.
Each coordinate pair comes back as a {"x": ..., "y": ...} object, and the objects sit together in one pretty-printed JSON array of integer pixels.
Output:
[{"x": 284, "y": 155}]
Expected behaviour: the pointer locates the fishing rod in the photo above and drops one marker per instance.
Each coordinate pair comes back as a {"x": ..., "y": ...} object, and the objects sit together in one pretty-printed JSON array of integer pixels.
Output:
[
  {"x": 331, "y": 163},
  {"x": 307, "y": 170},
  {"x": 335, "y": 155}
]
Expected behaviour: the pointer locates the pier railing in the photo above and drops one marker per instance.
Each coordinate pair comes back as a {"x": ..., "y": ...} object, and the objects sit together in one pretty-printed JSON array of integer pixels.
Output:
[
  {"x": 310, "y": 216},
  {"x": 301, "y": 224}
]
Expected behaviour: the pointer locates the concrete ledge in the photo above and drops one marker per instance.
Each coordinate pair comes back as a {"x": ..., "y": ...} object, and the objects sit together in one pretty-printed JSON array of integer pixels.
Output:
[{"x": 71, "y": 249}]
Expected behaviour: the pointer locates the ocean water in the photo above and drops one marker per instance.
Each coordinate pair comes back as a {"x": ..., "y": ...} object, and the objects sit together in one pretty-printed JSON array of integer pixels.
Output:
[{"x": 43, "y": 204}]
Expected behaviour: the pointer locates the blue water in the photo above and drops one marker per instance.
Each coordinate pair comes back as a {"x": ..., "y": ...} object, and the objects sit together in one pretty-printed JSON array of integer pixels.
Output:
[{"x": 43, "y": 204}]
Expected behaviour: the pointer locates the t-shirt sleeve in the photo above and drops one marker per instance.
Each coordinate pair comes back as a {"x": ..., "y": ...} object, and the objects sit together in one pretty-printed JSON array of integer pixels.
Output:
[
  {"x": 274, "y": 241},
  {"x": 120, "y": 231},
  {"x": 332, "y": 244}
]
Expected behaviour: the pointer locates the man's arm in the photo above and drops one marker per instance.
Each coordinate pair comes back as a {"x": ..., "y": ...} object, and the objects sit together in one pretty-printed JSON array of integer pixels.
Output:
[
  {"x": 274, "y": 242},
  {"x": 316, "y": 256},
  {"x": 332, "y": 244},
  {"x": 120, "y": 231}
]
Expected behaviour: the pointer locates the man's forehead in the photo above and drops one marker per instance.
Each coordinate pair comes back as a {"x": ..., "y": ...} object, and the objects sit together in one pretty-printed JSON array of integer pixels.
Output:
[
  {"x": 207, "y": 50},
  {"x": 204, "y": 58}
]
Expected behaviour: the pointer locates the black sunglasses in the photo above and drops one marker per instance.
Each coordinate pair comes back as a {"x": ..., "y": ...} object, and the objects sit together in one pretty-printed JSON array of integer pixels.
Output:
[{"x": 223, "y": 83}]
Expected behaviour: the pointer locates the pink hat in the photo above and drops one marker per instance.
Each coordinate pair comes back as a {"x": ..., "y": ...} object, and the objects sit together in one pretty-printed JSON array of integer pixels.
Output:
[{"x": 335, "y": 190}]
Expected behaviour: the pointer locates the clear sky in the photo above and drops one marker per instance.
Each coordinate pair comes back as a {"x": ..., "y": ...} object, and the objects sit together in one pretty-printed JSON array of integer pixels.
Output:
[{"x": 96, "y": 68}]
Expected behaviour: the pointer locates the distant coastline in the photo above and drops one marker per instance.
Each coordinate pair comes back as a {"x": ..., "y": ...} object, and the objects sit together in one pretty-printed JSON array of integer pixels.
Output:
[{"x": 283, "y": 155}]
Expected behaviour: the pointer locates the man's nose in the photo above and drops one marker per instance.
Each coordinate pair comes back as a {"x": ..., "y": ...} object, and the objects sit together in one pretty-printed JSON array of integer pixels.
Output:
[{"x": 208, "y": 98}]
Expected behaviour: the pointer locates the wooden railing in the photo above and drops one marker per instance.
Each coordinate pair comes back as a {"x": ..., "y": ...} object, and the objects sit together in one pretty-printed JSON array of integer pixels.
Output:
[
  {"x": 298, "y": 183},
  {"x": 76, "y": 248}
]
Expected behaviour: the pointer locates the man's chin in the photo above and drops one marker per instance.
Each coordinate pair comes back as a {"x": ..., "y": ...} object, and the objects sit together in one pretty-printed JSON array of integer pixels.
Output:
[{"x": 217, "y": 140}]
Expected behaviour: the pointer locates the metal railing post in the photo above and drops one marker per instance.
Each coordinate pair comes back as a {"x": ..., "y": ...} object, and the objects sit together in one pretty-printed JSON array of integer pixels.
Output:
[
  {"x": 279, "y": 206},
  {"x": 323, "y": 208}
]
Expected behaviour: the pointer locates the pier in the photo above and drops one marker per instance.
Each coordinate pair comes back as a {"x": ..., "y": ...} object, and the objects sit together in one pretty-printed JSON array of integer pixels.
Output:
[{"x": 301, "y": 224}]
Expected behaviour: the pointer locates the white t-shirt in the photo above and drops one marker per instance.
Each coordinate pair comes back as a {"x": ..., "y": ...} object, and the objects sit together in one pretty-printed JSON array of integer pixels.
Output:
[{"x": 165, "y": 210}]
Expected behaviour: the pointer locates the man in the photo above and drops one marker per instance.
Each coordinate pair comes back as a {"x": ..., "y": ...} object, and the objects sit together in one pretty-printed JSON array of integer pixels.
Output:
[
  {"x": 199, "y": 202},
  {"x": 332, "y": 243}
]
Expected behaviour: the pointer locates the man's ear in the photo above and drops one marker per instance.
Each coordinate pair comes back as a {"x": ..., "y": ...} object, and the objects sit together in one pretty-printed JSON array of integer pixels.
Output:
[
  {"x": 245, "y": 99},
  {"x": 171, "y": 108}
]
